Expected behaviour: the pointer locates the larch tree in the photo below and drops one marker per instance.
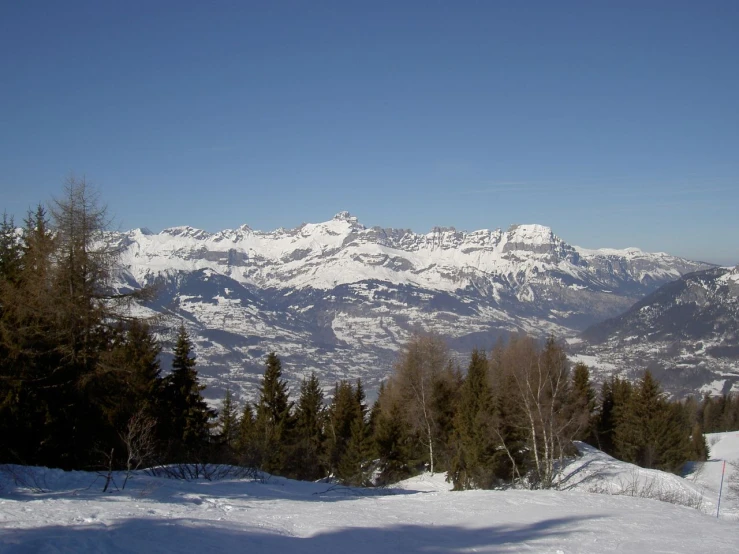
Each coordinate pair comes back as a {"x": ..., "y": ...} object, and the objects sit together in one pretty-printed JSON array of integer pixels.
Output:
[{"x": 421, "y": 364}]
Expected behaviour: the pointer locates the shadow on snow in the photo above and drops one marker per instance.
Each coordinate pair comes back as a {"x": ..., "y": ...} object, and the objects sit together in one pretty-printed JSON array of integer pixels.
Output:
[{"x": 180, "y": 535}]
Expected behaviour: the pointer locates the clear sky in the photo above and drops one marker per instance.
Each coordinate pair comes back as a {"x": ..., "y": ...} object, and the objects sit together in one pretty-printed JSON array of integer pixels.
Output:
[{"x": 615, "y": 123}]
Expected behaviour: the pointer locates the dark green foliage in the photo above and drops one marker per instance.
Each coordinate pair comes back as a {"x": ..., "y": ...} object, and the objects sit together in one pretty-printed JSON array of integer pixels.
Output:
[
  {"x": 228, "y": 426},
  {"x": 341, "y": 414},
  {"x": 443, "y": 406},
  {"x": 274, "y": 423},
  {"x": 134, "y": 381},
  {"x": 189, "y": 419},
  {"x": 650, "y": 431},
  {"x": 347, "y": 443},
  {"x": 614, "y": 398},
  {"x": 719, "y": 414},
  {"x": 247, "y": 453},
  {"x": 392, "y": 443},
  {"x": 472, "y": 465},
  {"x": 310, "y": 417},
  {"x": 581, "y": 405},
  {"x": 353, "y": 467},
  {"x": 698, "y": 450},
  {"x": 511, "y": 455}
]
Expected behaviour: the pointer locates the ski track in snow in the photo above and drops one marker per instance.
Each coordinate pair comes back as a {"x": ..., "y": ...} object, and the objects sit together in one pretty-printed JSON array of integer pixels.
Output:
[{"x": 417, "y": 515}]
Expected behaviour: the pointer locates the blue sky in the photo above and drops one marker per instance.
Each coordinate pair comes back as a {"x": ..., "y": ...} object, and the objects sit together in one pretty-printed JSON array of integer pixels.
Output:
[{"x": 615, "y": 123}]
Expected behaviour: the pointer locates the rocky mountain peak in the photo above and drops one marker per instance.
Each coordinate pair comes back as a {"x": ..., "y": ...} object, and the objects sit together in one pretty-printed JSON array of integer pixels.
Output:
[
  {"x": 530, "y": 234},
  {"x": 345, "y": 216}
]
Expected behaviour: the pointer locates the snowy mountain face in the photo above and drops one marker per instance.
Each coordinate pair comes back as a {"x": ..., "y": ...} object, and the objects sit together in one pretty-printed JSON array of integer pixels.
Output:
[
  {"x": 340, "y": 299},
  {"x": 686, "y": 333}
]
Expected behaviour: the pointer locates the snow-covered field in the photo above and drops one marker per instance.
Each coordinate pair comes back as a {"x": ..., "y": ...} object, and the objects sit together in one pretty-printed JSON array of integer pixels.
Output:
[{"x": 71, "y": 514}]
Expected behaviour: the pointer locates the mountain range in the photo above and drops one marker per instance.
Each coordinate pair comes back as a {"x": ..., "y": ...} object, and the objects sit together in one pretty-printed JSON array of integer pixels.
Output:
[
  {"x": 686, "y": 333},
  {"x": 340, "y": 299}
]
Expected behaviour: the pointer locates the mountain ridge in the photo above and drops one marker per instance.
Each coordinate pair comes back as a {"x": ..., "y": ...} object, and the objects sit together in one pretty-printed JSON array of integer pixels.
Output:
[
  {"x": 340, "y": 298},
  {"x": 686, "y": 332}
]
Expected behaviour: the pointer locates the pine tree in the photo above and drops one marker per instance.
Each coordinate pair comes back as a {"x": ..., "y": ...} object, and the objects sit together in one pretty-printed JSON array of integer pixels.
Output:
[
  {"x": 11, "y": 250},
  {"x": 391, "y": 440},
  {"x": 32, "y": 390},
  {"x": 274, "y": 421},
  {"x": 134, "y": 380},
  {"x": 581, "y": 405},
  {"x": 190, "y": 418},
  {"x": 444, "y": 399},
  {"x": 228, "y": 424},
  {"x": 308, "y": 456},
  {"x": 651, "y": 432},
  {"x": 353, "y": 466},
  {"x": 342, "y": 412},
  {"x": 360, "y": 399},
  {"x": 672, "y": 439},
  {"x": 62, "y": 400},
  {"x": 246, "y": 443},
  {"x": 614, "y": 399},
  {"x": 471, "y": 466}
]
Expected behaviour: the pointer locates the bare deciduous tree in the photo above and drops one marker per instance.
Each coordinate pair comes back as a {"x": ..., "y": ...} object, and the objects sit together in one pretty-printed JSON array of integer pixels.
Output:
[
  {"x": 541, "y": 390},
  {"x": 139, "y": 441},
  {"x": 422, "y": 361}
]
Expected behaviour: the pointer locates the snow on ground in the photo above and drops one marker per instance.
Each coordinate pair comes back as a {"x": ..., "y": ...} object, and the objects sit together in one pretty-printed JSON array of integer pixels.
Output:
[
  {"x": 71, "y": 514},
  {"x": 723, "y": 447}
]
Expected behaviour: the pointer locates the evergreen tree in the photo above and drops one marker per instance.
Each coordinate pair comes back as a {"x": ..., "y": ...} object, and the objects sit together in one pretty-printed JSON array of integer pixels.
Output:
[
  {"x": 190, "y": 418},
  {"x": 31, "y": 428},
  {"x": 353, "y": 466},
  {"x": 651, "y": 432},
  {"x": 444, "y": 399},
  {"x": 273, "y": 421},
  {"x": 134, "y": 380},
  {"x": 246, "y": 443},
  {"x": 309, "y": 432},
  {"x": 391, "y": 441},
  {"x": 11, "y": 250},
  {"x": 344, "y": 409},
  {"x": 360, "y": 399},
  {"x": 581, "y": 405},
  {"x": 614, "y": 399},
  {"x": 228, "y": 424},
  {"x": 471, "y": 466},
  {"x": 63, "y": 393}
]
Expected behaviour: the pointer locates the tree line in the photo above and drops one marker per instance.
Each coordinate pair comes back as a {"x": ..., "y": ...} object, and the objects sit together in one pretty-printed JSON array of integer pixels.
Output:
[
  {"x": 81, "y": 386},
  {"x": 80, "y": 376},
  {"x": 510, "y": 419}
]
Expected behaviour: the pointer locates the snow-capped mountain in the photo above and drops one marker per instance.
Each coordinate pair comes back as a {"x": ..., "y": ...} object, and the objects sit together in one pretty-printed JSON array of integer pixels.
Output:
[
  {"x": 339, "y": 298},
  {"x": 686, "y": 332}
]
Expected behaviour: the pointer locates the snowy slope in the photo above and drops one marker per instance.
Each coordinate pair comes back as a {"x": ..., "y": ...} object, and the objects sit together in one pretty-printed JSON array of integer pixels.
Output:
[
  {"x": 724, "y": 458},
  {"x": 419, "y": 515}
]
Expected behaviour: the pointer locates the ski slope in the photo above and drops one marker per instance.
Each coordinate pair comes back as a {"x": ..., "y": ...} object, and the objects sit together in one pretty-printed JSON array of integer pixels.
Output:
[{"x": 71, "y": 514}]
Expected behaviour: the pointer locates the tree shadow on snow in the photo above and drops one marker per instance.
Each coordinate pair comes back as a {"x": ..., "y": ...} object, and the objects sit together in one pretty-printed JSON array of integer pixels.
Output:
[{"x": 183, "y": 535}]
